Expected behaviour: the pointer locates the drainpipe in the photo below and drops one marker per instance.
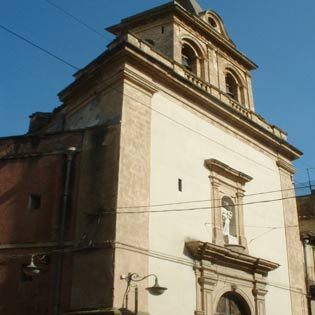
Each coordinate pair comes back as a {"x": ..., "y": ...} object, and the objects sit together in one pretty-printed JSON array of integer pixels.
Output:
[
  {"x": 305, "y": 243},
  {"x": 70, "y": 152}
]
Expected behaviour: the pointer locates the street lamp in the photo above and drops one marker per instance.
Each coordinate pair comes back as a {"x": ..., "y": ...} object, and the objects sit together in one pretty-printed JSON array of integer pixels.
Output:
[
  {"x": 31, "y": 269},
  {"x": 156, "y": 289}
]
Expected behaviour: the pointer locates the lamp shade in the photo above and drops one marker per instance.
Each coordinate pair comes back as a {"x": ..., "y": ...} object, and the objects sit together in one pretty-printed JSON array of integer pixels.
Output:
[
  {"x": 31, "y": 269},
  {"x": 156, "y": 289}
]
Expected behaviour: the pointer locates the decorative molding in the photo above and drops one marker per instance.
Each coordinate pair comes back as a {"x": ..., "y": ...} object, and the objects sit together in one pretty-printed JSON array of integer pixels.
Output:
[
  {"x": 33, "y": 245},
  {"x": 103, "y": 311},
  {"x": 230, "y": 181},
  {"x": 131, "y": 48},
  {"x": 219, "y": 167},
  {"x": 286, "y": 166},
  {"x": 226, "y": 257},
  {"x": 140, "y": 81}
]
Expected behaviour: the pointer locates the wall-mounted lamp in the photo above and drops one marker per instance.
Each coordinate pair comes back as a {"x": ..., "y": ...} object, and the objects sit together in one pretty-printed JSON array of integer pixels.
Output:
[
  {"x": 31, "y": 269},
  {"x": 156, "y": 289}
]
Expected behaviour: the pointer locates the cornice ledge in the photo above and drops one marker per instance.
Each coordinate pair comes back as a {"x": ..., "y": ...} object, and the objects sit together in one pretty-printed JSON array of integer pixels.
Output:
[
  {"x": 215, "y": 165},
  {"x": 100, "y": 311},
  {"x": 135, "y": 78},
  {"x": 169, "y": 73},
  {"x": 286, "y": 166},
  {"x": 227, "y": 257}
]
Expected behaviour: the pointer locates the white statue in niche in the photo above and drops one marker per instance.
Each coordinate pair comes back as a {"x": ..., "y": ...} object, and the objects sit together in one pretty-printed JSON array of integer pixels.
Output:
[{"x": 226, "y": 217}]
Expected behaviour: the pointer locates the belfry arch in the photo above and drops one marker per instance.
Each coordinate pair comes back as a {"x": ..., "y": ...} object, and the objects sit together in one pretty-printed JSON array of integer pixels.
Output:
[{"x": 192, "y": 57}]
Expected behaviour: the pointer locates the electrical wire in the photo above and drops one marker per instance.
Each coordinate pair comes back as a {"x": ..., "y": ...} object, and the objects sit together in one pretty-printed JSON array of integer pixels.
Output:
[
  {"x": 125, "y": 94},
  {"x": 259, "y": 226},
  {"x": 206, "y": 200},
  {"x": 72, "y": 16},
  {"x": 162, "y": 255},
  {"x": 105, "y": 212},
  {"x": 67, "y": 63},
  {"x": 191, "y": 129},
  {"x": 74, "y": 67},
  {"x": 158, "y": 211},
  {"x": 67, "y": 13},
  {"x": 138, "y": 102},
  {"x": 87, "y": 26},
  {"x": 168, "y": 210},
  {"x": 39, "y": 47}
]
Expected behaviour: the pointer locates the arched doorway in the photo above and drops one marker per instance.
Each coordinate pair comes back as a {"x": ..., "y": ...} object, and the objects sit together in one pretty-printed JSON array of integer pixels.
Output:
[{"x": 232, "y": 304}]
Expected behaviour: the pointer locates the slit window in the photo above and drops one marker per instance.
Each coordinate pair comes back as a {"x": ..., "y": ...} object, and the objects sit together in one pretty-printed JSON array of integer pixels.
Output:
[
  {"x": 180, "y": 185},
  {"x": 34, "y": 201}
]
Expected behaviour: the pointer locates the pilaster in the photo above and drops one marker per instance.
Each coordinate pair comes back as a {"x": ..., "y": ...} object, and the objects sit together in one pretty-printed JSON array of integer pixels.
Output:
[
  {"x": 293, "y": 244},
  {"x": 216, "y": 213}
]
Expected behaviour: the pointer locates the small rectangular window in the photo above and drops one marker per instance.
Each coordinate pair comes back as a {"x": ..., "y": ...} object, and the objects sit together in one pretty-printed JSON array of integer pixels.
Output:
[
  {"x": 180, "y": 185},
  {"x": 34, "y": 201},
  {"x": 162, "y": 30}
]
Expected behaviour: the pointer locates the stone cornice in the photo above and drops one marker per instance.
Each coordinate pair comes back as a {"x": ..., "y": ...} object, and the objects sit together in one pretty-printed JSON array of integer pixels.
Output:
[
  {"x": 130, "y": 49},
  {"x": 286, "y": 166},
  {"x": 139, "y": 81},
  {"x": 225, "y": 257},
  {"x": 101, "y": 311},
  {"x": 219, "y": 167},
  {"x": 199, "y": 92}
]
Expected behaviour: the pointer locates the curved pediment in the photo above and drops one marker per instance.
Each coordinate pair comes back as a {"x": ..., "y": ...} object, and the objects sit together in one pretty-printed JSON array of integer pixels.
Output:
[{"x": 215, "y": 23}]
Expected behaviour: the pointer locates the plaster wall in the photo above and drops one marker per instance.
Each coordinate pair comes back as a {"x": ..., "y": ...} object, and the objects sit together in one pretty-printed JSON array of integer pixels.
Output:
[{"x": 180, "y": 143}]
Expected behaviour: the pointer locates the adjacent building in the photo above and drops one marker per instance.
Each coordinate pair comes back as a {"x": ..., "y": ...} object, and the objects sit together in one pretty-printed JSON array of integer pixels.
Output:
[
  {"x": 156, "y": 163},
  {"x": 306, "y": 211}
]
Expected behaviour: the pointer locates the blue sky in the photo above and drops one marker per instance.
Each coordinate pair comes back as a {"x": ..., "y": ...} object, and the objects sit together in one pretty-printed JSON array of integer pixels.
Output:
[{"x": 276, "y": 35}]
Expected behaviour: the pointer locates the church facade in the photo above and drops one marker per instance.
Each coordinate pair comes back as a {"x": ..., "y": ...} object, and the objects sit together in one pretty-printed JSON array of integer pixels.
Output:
[{"x": 177, "y": 176}]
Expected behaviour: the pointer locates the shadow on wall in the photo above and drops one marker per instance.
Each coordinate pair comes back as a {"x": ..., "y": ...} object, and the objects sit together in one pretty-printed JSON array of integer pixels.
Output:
[{"x": 31, "y": 186}]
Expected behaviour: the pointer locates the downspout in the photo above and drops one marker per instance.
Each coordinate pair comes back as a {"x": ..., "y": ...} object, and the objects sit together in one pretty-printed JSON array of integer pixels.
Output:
[
  {"x": 305, "y": 243},
  {"x": 70, "y": 152}
]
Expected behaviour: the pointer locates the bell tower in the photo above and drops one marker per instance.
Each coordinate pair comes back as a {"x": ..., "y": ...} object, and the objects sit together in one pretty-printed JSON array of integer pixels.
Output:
[{"x": 198, "y": 42}]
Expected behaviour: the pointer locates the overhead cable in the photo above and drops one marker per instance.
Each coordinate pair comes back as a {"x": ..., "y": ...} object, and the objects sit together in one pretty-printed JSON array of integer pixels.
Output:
[
  {"x": 39, "y": 47},
  {"x": 87, "y": 26}
]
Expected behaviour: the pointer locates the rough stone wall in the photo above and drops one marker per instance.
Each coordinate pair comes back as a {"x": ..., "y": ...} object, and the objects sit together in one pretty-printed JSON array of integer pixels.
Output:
[
  {"x": 103, "y": 108},
  {"x": 161, "y": 32},
  {"x": 133, "y": 189},
  {"x": 92, "y": 276},
  {"x": 294, "y": 245}
]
